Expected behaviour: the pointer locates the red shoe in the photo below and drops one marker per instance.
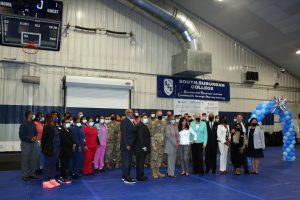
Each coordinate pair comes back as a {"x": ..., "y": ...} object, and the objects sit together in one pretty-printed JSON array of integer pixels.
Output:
[{"x": 47, "y": 185}]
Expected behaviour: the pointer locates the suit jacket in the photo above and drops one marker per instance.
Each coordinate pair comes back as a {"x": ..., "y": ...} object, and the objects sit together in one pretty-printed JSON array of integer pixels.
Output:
[
  {"x": 143, "y": 138},
  {"x": 212, "y": 134},
  {"x": 170, "y": 141},
  {"x": 128, "y": 134},
  {"x": 66, "y": 142},
  {"x": 258, "y": 137}
]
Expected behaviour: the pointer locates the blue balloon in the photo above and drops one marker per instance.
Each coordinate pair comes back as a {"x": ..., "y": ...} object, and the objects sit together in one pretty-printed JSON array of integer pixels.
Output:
[{"x": 259, "y": 107}]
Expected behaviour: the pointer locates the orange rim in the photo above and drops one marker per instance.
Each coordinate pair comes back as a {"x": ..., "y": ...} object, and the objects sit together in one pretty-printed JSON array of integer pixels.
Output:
[{"x": 30, "y": 48}]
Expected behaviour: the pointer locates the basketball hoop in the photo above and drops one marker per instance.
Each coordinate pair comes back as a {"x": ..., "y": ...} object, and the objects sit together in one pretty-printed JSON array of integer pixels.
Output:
[{"x": 30, "y": 48}]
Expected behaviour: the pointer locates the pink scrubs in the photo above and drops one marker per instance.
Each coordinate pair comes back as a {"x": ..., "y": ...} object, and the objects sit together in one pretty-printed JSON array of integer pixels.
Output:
[{"x": 99, "y": 156}]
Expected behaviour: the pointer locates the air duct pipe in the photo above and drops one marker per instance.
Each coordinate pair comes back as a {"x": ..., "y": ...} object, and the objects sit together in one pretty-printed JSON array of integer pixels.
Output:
[{"x": 192, "y": 61}]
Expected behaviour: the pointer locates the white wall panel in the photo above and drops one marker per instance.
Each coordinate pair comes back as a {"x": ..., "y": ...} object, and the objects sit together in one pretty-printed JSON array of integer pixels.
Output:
[{"x": 86, "y": 54}]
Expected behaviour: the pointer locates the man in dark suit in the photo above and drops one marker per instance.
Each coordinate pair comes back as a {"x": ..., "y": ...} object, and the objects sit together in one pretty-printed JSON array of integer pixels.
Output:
[
  {"x": 212, "y": 145},
  {"x": 128, "y": 135},
  {"x": 142, "y": 146},
  {"x": 239, "y": 119}
]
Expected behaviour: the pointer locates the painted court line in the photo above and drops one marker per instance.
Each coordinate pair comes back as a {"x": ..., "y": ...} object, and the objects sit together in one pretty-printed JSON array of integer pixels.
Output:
[
  {"x": 96, "y": 197},
  {"x": 228, "y": 188}
]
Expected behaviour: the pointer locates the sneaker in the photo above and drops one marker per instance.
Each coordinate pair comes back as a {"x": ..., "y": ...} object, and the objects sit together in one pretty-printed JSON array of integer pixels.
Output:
[
  {"x": 129, "y": 181},
  {"x": 54, "y": 182},
  {"x": 62, "y": 180},
  {"x": 47, "y": 185}
]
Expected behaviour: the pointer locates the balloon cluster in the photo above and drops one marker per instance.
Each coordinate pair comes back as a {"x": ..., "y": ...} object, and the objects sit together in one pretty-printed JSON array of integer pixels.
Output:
[{"x": 277, "y": 106}]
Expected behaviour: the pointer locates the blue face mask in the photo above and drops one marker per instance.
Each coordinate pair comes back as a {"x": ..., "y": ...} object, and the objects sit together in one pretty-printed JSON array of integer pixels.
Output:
[
  {"x": 102, "y": 121},
  {"x": 68, "y": 125},
  {"x": 145, "y": 121},
  {"x": 33, "y": 117},
  {"x": 91, "y": 123},
  {"x": 106, "y": 121},
  {"x": 177, "y": 120},
  {"x": 78, "y": 124}
]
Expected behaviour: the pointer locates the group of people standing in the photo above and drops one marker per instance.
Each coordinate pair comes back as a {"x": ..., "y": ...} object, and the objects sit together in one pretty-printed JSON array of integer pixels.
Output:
[{"x": 82, "y": 146}]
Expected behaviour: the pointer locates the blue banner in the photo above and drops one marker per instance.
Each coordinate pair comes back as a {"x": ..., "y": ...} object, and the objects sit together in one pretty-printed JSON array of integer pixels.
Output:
[{"x": 185, "y": 88}]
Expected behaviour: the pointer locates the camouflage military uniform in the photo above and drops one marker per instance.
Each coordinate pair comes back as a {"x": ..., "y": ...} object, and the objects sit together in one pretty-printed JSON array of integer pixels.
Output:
[
  {"x": 116, "y": 149},
  {"x": 110, "y": 142},
  {"x": 157, "y": 140}
]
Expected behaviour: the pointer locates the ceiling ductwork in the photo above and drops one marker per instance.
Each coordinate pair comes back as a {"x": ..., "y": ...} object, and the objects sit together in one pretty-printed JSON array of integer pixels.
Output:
[{"x": 192, "y": 61}]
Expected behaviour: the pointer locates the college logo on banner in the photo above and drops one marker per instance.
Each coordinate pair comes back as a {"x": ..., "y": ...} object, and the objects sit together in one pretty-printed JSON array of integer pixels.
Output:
[{"x": 168, "y": 86}]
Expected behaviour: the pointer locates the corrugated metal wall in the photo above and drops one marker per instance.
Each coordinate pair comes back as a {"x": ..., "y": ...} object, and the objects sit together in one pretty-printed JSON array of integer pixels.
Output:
[{"x": 86, "y": 54}]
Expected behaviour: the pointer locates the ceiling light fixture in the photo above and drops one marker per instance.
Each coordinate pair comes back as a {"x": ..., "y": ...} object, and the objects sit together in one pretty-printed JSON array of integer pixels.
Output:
[{"x": 298, "y": 52}]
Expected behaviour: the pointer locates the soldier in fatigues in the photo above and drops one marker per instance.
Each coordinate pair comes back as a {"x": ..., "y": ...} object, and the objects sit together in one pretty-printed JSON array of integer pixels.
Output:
[
  {"x": 151, "y": 120},
  {"x": 117, "y": 137},
  {"x": 110, "y": 142},
  {"x": 157, "y": 144}
]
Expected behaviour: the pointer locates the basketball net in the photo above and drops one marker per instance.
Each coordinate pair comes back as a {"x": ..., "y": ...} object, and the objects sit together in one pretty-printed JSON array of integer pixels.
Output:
[{"x": 30, "y": 51}]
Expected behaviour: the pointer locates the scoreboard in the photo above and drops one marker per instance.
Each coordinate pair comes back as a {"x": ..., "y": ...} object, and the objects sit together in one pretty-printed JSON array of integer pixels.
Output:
[{"x": 36, "y": 21}]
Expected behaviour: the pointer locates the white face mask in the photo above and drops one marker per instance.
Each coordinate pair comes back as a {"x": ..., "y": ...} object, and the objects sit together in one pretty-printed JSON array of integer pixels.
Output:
[
  {"x": 106, "y": 121},
  {"x": 177, "y": 120},
  {"x": 42, "y": 119},
  {"x": 136, "y": 114},
  {"x": 91, "y": 123},
  {"x": 172, "y": 121},
  {"x": 217, "y": 119},
  {"x": 235, "y": 120},
  {"x": 68, "y": 125},
  {"x": 84, "y": 121},
  {"x": 102, "y": 121},
  {"x": 71, "y": 121},
  {"x": 153, "y": 115},
  {"x": 33, "y": 117}
]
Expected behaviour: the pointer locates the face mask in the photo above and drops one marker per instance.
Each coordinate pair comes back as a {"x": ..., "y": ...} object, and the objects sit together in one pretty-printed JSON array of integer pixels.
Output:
[
  {"x": 145, "y": 120},
  {"x": 33, "y": 117},
  {"x": 136, "y": 114},
  {"x": 84, "y": 121},
  {"x": 172, "y": 122},
  {"x": 211, "y": 119},
  {"x": 235, "y": 120},
  {"x": 91, "y": 123},
  {"x": 78, "y": 124},
  {"x": 204, "y": 118},
  {"x": 68, "y": 125},
  {"x": 217, "y": 119},
  {"x": 72, "y": 122},
  {"x": 160, "y": 117},
  {"x": 106, "y": 121},
  {"x": 113, "y": 118},
  {"x": 191, "y": 120},
  {"x": 152, "y": 115},
  {"x": 198, "y": 119},
  {"x": 254, "y": 124},
  {"x": 42, "y": 119},
  {"x": 177, "y": 120},
  {"x": 97, "y": 119},
  {"x": 80, "y": 116},
  {"x": 102, "y": 121}
]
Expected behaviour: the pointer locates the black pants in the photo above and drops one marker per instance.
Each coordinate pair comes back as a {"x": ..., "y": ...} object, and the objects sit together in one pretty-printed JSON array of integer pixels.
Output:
[
  {"x": 197, "y": 154},
  {"x": 140, "y": 161},
  {"x": 211, "y": 157},
  {"x": 64, "y": 165},
  {"x": 126, "y": 157},
  {"x": 236, "y": 156}
]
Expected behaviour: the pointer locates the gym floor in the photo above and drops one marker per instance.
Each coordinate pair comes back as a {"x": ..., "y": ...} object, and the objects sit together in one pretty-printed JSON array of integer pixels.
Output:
[{"x": 277, "y": 180}]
